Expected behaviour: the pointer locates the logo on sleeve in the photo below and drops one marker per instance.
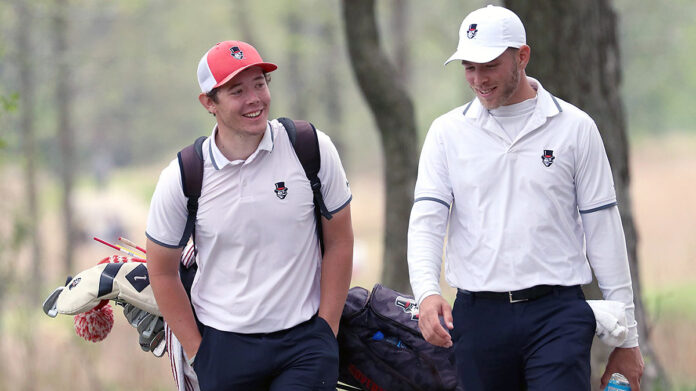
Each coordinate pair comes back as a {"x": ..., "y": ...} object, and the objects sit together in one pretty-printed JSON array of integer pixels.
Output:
[
  {"x": 547, "y": 157},
  {"x": 280, "y": 190}
]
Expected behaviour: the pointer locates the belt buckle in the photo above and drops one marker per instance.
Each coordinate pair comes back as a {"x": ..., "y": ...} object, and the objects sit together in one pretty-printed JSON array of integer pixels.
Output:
[{"x": 515, "y": 300}]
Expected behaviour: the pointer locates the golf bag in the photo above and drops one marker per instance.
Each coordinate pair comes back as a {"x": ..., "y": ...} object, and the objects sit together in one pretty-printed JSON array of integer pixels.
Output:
[{"x": 382, "y": 349}]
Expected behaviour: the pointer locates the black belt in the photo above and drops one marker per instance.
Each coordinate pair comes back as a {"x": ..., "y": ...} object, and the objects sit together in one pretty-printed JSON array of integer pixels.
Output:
[{"x": 521, "y": 295}]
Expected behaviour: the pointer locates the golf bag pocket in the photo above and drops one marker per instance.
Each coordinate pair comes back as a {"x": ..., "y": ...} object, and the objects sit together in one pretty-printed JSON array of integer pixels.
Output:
[{"x": 381, "y": 347}]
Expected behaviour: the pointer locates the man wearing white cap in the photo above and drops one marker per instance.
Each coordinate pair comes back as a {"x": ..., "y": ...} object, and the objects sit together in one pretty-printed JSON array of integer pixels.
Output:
[
  {"x": 267, "y": 299},
  {"x": 520, "y": 182}
]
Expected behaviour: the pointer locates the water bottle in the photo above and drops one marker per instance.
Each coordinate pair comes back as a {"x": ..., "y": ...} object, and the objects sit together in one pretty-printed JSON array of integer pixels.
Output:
[
  {"x": 379, "y": 336},
  {"x": 618, "y": 382}
]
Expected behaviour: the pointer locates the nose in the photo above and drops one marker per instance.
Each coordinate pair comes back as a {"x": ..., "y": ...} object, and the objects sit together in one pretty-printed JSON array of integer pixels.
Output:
[
  {"x": 253, "y": 97},
  {"x": 477, "y": 77}
]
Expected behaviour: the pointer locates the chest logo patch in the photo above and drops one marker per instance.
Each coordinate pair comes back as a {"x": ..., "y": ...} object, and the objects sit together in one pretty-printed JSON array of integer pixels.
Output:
[
  {"x": 280, "y": 190},
  {"x": 547, "y": 157}
]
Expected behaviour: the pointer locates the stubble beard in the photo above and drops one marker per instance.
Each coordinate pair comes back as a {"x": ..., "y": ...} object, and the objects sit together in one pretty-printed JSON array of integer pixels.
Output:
[{"x": 509, "y": 88}]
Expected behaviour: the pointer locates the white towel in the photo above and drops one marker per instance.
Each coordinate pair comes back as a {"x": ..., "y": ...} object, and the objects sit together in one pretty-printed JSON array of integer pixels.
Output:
[
  {"x": 184, "y": 376},
  {"x": 611, "y": 321}
]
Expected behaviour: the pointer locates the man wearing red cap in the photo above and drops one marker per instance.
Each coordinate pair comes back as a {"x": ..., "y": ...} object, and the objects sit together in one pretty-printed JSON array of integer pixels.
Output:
[
  {"x": 520, "y": 182},
  {"x": 267, "y": 300}
]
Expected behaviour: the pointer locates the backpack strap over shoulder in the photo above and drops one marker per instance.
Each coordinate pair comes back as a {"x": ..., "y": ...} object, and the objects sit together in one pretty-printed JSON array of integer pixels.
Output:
[
  {"x": 191, "y": 168},
  {"x": 304, "y": 140},
  {"x": 303, "y": 136}
]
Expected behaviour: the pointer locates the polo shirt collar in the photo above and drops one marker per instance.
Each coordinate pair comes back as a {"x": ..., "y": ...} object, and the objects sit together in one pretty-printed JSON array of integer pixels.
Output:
[
  {"x": 547, "y": 104},
  {"x": 219, "y": 160}
]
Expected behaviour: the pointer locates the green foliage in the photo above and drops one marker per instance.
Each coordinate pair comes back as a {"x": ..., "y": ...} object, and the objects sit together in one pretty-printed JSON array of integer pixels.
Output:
[
  {"x": 7, "y": 105},
  {"x": 675, "y": 302},
  {"x": 658, "y": 44}
]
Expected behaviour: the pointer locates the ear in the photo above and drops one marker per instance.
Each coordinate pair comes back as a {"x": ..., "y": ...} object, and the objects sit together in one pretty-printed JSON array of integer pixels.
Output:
[
  {"x": 207, "y": 102},
  {"x": 523, "y": 55}
]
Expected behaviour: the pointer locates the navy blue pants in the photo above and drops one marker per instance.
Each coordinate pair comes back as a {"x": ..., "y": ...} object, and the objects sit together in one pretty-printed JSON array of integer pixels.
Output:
[
  {"x": 541, "y": 344},
  {"x": 304, "y": 357}
]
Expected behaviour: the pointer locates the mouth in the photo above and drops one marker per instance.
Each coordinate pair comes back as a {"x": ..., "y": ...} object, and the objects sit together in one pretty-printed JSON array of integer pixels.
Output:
[
  {"x": 485, "y": 92},
  {"x": 253, "y": 114}
]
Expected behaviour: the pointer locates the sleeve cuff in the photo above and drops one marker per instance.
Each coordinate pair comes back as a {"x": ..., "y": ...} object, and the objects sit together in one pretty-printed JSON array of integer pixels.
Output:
[{"x": 426, "y": 294}]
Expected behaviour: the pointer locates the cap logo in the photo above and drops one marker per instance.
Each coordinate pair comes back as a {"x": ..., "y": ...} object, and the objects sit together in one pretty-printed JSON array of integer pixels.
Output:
[
  {"x": 471, "y": 32},
  {"x": 280, "y": 190},
  {"x": 236, "y": 52},
  {"x": 547, "y": 157}
]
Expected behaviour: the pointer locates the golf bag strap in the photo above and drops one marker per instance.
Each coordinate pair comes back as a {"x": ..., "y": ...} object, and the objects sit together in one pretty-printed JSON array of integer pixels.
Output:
[{"x": 191, "y": 168}]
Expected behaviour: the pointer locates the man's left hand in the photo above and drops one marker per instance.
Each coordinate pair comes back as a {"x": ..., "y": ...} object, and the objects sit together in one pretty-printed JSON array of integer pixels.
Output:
[{"x": 628, "y": 362}]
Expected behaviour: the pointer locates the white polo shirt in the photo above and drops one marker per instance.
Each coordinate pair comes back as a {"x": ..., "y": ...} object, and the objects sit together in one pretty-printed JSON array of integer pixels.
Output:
[
  {"x": 515, "y": 215},
  {"x": 259, "y": 257}
]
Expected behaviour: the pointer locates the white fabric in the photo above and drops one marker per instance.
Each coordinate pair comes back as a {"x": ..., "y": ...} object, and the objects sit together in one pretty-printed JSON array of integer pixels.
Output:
[
  {"x": 606, "y": 250},
  {"x": 486, "y": 33},
  {"x": 611, "y": 321},
  {"x": 259, "y": 258},
  {"x": 128, "y": 280},
  {"x": 184, "y": 375},
  {"x": 206, "y": 80},
  {"x": 513, "y": 118},
  {"x": 514, "y": 222}
]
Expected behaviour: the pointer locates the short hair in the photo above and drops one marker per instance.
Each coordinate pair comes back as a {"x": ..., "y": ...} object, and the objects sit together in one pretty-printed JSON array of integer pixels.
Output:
[{"x": 212, "y": 94}]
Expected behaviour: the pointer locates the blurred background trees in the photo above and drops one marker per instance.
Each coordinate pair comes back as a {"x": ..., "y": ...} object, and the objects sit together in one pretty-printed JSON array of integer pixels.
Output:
[{"x": 96, "y": 97}]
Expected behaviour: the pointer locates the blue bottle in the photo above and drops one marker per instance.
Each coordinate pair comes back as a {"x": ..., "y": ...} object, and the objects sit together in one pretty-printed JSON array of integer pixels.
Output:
[
  {"x": 379, "y": 336},
  {"x": 618, "y": 382}
]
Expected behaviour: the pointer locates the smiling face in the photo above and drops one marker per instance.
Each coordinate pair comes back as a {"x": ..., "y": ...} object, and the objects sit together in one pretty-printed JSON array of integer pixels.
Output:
[
  {"x": 497, "y": 83},
  {"x": 241, "y": 105}
]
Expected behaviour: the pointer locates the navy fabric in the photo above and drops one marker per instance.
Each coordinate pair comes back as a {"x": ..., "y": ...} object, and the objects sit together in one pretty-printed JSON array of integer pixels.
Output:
[
  {"x": 304, "y": 357},
  {"x": 106, "y": 280},
  {"x": 541, "y": 344}
]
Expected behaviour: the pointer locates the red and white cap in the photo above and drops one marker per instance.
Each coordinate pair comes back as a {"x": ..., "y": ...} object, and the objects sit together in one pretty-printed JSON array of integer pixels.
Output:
[
  {"x": 486, "y": 33},
  {"x": 225, "y": 60}
]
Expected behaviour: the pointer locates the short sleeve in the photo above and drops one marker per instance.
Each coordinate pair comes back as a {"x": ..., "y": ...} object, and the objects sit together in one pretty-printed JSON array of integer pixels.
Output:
[
  {"x": 334, "y": 184},
  {"x": 167, "y": 216},
  {"x": 593, "y": 179},
  {"x": 433, "y": 181}
]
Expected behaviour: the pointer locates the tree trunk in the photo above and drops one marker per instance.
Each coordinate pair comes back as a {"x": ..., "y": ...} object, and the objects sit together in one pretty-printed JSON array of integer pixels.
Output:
[
  {"x": 26, "y": 130},
  {"x": 393, "y": 111},
  {"x": 331, "y": 88},
  {"x": 575, "y": 55},
  {"x": 293, "y": 63},
  {"x": 399, "y": 26},
  {"x": 63, "y": 102},
  {"x": 241, "y": 17}
]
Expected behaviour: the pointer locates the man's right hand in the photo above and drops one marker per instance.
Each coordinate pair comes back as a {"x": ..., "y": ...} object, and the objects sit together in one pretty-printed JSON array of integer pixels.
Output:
[{"x": 430, "y": 310}]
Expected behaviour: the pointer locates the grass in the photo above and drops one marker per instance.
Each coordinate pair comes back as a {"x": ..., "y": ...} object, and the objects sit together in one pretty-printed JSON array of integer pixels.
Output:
[{"x": 678, "y": 301}]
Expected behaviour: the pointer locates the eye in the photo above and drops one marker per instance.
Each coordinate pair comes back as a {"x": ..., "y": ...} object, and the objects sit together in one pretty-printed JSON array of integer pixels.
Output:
[{"x": 236, "y": 91}]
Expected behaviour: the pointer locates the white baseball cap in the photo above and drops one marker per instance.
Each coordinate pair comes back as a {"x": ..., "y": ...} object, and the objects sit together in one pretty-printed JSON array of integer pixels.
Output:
[{"x": 486, "y": 33}]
